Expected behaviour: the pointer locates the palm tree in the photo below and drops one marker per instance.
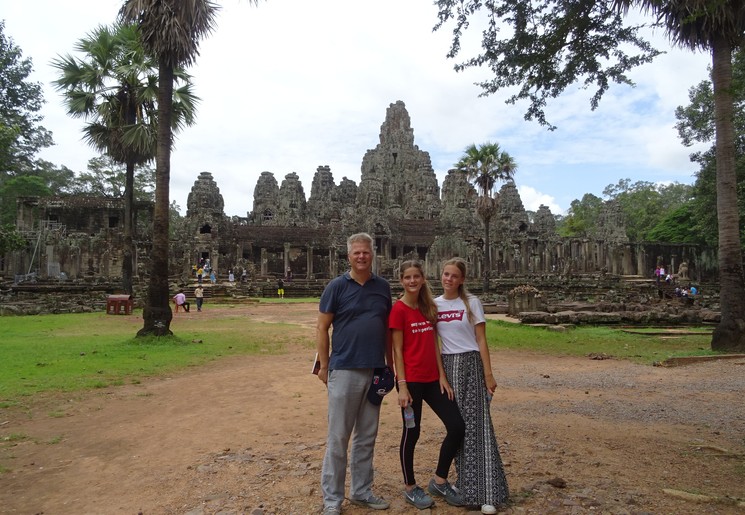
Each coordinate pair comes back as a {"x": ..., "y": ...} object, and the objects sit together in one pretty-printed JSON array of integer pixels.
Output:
[
  {"x": 115, "y": 85},
  {"x": 485, "y": 165},
  {"x": 171, "y": 31},
  {"x": 718, "y": 27}
]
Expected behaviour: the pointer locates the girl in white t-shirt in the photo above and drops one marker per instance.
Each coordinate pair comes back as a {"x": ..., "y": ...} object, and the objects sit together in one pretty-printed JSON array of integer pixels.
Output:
[{"x": 461, "y": 326}]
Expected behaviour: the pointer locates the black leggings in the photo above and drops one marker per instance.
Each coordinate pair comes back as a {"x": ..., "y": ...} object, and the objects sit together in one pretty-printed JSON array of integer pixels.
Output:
[{"x": 448, "y": 412}]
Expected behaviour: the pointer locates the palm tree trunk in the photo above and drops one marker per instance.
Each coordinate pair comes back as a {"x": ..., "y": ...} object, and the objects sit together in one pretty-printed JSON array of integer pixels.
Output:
[
  {"x": 487, "y": 254},
  {"x": 128, "y": 252},
  {"x": 730, "y": 333},
  {"x": 157, "y": 313}
]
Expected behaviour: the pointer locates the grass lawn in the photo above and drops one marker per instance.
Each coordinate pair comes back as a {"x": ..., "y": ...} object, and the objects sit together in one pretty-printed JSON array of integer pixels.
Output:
[
  {"x": 96, "y": 350},
  {"x": 647, "y": 348}
]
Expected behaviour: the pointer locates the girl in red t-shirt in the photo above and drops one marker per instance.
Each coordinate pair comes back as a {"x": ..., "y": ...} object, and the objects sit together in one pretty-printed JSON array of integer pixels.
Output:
[{"x": 421, "y": 377}]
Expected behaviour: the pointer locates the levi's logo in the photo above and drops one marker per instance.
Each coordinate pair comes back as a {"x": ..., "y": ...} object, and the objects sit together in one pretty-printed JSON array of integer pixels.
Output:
[{"x": 450, "y": 316}]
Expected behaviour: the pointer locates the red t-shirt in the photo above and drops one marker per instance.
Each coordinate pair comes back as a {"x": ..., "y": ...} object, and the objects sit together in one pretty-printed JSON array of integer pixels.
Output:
[{"x": 419, "y": 349}]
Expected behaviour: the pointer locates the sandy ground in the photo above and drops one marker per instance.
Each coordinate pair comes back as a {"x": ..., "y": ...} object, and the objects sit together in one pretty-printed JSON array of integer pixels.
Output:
[{"x": 246, "y": 435}]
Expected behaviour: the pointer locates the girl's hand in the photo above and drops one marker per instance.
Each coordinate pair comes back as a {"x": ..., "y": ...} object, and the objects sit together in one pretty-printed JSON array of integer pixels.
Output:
[
  {"x": 404, "y": 397},
  {"x": 445, "y": 388},
  {"x": 491, "y": 383}
]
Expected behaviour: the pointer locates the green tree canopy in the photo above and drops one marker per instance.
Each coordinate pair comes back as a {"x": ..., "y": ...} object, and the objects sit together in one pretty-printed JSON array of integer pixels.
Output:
[
  {"x": 582, "y": 217},
  {"x": 106, "y": 177},
  {"x": 21, "y": 135},
  {"x": 678, "y": 226},
  {"x": 541, "y": 47},
  {"x": 645, "y": 204},
  {"x": 24, "y": 186},
  {"x": 10, "y": 239}
]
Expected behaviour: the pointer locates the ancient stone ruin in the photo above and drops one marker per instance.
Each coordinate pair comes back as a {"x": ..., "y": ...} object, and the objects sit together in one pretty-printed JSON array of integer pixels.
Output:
[{"x": 398, "y": 201}]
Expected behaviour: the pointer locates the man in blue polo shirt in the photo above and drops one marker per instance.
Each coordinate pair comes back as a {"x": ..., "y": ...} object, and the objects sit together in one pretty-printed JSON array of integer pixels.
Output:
[{"x": 357, "y": 304}]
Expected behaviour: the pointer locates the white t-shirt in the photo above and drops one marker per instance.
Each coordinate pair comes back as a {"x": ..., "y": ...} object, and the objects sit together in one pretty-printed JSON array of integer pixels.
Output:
[{"x": 453, "y": 328}]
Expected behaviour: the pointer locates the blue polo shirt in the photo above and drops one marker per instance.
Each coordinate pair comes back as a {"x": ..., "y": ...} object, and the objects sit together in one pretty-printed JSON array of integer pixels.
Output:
[{"x": 360, "y": 321}]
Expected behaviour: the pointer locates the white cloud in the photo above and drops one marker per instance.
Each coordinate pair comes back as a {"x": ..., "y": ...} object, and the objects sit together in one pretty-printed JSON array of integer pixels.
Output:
[{"x": 532, "y": 200}]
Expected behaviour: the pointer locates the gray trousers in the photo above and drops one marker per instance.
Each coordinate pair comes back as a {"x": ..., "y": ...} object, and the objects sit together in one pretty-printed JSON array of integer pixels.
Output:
[{"x": 350, "y": 414}]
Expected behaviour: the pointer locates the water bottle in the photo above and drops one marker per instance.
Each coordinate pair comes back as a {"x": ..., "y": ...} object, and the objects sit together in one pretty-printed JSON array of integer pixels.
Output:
[{"x": 409, "y": 416}]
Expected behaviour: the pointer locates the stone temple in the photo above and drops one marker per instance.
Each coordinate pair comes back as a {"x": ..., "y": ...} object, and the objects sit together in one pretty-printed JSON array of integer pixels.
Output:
[{"x": 398, "y": 201}]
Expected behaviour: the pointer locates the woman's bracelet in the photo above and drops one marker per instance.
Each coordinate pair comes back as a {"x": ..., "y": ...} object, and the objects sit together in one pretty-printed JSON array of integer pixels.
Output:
[{"x": 401, "y": 381}]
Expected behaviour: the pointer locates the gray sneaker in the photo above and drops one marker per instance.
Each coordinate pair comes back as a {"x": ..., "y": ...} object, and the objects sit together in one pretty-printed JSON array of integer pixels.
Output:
[
  {"x": 372, "y": 503},
  {"x": 446, "y": 491},
  {"x": 418, "y": 498},
  {"x": 332, "y": 510}
]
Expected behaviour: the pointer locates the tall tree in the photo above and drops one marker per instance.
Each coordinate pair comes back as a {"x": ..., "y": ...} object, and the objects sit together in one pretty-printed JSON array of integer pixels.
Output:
[
  {"x": 21, "y": 136},
  {"x": 115, "y": 86},
  {"x": 718, "y": 27},
  {"x": 552, "y": 44},
  {"x": 171, "y": 31},
  {"x": 696, "y": 123},
  {"x": 486, "y": 165}
]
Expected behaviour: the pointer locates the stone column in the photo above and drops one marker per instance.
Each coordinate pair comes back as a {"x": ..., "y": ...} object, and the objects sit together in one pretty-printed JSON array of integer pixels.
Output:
[
  {"x": 286, "y": 258},
  {"x": 627, "y": 260},
  {"x": 309, "y": 262},
  {"x": 264, "y": 262},
  {"x": 673, "y": 264},
  {"x": 641, "y": 263},
  {"x": 332, "y": 262}
]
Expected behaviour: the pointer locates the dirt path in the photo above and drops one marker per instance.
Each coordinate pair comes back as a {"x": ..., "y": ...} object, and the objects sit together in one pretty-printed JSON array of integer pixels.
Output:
[{"x": 246, "y": 435}]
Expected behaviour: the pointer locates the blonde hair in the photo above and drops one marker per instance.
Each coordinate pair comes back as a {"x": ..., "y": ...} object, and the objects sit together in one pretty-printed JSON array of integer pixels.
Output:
[
  {"x": 426, "y": 300},
  {"x": 463, "y": 292}
]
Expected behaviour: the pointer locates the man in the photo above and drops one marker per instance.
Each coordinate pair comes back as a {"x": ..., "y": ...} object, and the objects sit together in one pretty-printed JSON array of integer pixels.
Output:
[
  {"x": 357, "y": 303},
  {"x": 280, "y": 288},
  {"x": 199, "y": 295},
  {"x": 180, "y": 300}
]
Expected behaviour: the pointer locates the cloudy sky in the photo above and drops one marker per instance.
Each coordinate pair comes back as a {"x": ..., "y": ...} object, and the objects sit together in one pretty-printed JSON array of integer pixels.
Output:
[{"x": 289, "y": 85}]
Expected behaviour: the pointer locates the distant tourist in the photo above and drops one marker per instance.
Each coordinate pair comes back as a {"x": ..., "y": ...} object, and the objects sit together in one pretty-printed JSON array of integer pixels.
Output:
[
  {"x": 231, "y": 276},
  {"x": 180, "y": 300},
  {"x": 280, "y": 288},
  {"x": 199, "y": 295}
]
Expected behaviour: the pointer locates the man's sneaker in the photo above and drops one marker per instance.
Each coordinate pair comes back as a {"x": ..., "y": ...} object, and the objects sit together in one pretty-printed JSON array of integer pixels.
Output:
[
  {"x": 372, "y": 503},
  {"x": 418, "y": 498},
  {"x": 488, "y": 509},
  {"x": 332, "y": 510},
  {"x": 446, "y": 492}
]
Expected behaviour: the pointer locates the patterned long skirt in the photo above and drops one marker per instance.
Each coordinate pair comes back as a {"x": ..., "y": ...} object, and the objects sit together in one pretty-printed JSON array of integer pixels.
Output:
[{"x": 481, "y": 478}]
